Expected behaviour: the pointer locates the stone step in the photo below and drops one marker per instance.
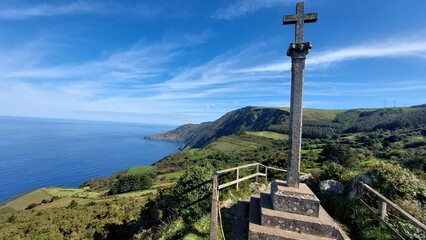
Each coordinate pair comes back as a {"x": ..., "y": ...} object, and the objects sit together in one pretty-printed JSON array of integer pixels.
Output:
[
  {"x": 257, "y": 231},
  {"x": 294, "y": 200},
  {"x": 320, "y": 226}
]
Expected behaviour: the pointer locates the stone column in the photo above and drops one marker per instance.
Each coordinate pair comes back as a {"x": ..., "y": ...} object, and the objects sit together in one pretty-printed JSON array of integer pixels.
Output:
[{"x": 297, "y": 52}]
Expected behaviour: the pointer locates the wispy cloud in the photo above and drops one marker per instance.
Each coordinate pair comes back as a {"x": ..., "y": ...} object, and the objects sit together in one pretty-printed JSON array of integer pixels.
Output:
[
  {"x": 378, "y": 88},
  {"x": 123, "y": 81},
  {"x": 244, "y": 7},
  {"x": 79, "y": 7},
  {"x": 388, "y": 49},
  {"x": 143, "y": 79}
]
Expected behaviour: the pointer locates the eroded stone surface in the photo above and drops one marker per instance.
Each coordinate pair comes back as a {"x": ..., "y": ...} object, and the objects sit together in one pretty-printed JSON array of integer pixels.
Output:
[
  {"x": 331, "y": 186},
  {"x": 294, "y": 222},
  {"x": 294, "y": 200}
]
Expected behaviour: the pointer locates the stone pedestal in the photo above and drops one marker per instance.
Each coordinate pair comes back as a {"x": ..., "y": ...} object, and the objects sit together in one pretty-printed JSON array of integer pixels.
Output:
[
  {"x": 291, "y": 213},
  {"x": 294, "y": 200}
]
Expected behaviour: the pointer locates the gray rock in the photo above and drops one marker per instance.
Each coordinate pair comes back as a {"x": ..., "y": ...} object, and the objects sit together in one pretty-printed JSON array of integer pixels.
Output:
[
  {"x": 305, "y": 177},
  {"x": 257, "y": 187},
  {"x": 331, "y": 186},
  {"x": 354, "y": 186}
]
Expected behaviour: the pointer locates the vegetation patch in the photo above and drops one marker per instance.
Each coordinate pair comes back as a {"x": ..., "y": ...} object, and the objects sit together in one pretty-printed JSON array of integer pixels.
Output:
[
  {"x": 22, "y": 202},
  {"x": 170, "y": 176},
  {"x": 268, "y": 134},
  {"x": 140, "y": 170}
]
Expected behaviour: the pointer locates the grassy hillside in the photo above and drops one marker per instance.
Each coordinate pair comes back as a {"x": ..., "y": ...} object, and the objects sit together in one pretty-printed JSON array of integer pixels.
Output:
[
  {"x": 388, "y": 143},
  {"x": 317, "y": 123},
  {"x": 100, "y": 216}
]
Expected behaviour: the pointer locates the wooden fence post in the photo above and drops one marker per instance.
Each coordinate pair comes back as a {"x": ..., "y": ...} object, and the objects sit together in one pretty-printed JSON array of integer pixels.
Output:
[
  {"x": 266, "y": 175},
  {"x": 238, "y": 177},
  {"x": 382, "y": 209},
  {"x": 257, "y": 172},
  {"x": 215, "y": 197}
]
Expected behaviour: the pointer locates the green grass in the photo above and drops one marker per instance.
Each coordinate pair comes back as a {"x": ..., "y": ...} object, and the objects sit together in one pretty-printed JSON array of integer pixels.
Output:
[
  {"x": 350, "y": 136},
  {"x": 170, "y": 176},
  {"x": 180, "y": 230},
  {"x": 63, "y": 202},
  {"x": 231, "y": 144},
  {"x": 141, "y": 169},
  {"x": 371, "y": 161},
  {"x": 66, "y": 195},
  {"x": 63, "y": 192},
  {"x": 268, "y": 134},
  {"x": 161, "y": 185},
  {"x": 136, "y": 193},
  {"x": 21, "y": 202},
  {"x": 318, "y": 114}
]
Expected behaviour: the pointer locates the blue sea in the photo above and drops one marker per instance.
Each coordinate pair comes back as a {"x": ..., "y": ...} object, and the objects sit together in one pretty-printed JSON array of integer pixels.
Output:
[{"x": 48, "y": 152}]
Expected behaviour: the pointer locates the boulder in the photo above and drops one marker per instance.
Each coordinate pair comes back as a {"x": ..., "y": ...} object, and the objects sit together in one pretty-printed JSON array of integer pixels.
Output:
[
  {"x": 305, "y": 177},
  {"x": 355, "y": 184},
  {"x": 331, "y": 186}
]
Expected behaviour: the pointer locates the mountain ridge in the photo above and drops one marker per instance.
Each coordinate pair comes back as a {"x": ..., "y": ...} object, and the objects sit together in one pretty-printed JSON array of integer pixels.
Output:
[{"x": 317, "y": 123}]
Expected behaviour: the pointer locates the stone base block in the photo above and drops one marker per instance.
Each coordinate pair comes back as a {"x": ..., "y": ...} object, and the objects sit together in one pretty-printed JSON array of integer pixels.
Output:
[
  {"x": 294, "y": 200},
  {"x": 258, "y": 232},
  {"x": 323, "y": 225}
]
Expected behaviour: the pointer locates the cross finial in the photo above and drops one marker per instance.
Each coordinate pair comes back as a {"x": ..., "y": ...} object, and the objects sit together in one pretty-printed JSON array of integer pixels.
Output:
[{"x": 299, "y": 19}]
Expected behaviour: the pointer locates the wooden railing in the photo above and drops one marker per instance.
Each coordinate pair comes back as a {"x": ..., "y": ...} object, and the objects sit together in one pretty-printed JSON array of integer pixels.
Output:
[
  {"x": 216, "y": 187},
  {"x": 386, "y": 211}
]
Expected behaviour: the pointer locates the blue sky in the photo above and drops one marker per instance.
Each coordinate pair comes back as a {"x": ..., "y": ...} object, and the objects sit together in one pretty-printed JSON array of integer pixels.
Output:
[{"x": 176, "y": 62}]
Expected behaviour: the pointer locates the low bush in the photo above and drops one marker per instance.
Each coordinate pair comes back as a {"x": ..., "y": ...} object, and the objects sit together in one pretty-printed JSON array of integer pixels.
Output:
[
  {"x": 396, "y": 182},
  {"x": 129, "y": 183}
]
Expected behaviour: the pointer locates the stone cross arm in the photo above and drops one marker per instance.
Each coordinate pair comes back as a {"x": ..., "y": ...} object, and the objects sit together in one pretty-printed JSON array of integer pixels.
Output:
[{"x": 299, "y": 19}]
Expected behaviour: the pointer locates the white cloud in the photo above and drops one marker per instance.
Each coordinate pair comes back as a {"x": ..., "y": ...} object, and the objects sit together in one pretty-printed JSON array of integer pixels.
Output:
[
  {"x": 123, "y": 82},
  {"x": 143, "y": 80},
  {"x": 79, "y": 7},
  {"x": 243, "y": 7},
  {"x": 389, "y": 49},
  {"x": 379, "y": 88}
]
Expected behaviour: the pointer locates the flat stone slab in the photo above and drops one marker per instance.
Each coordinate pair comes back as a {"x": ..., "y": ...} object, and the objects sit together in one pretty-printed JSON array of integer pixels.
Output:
[
  {"x": 294, "y": 200},
  {"x": 323, "y": 225}
]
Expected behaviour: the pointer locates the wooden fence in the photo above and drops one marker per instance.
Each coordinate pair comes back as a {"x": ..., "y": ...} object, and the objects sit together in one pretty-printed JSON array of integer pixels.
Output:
[
  {"x": 387, "y": 211},
  {"x": 216, "y": 187}
]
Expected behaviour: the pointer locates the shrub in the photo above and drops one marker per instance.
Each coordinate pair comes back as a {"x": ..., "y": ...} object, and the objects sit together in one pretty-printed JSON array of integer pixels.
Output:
[
  {"x": 31, "y": 206},
  {"x": 11, "y": 219},
  {"x": 54, "y": 198},
  {"x": 73, "y": 204},
  {"x": 131, "y": 183},
  {"x": 189, "y": 199},
  {"x": 339, "y": 153},
  {"x": 394, "y": 181},
  {"x": 337, "y": 172},
  {"x": 190, "y": 190},
  {"x": 360, "y": 220}
]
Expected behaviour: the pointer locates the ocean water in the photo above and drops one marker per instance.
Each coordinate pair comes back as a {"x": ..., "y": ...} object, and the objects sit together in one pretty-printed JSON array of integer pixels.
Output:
[{"x": 45, "y": 152}]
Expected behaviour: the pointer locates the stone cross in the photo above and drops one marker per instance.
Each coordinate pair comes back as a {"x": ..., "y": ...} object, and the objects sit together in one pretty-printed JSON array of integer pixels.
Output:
[
  {"x": 299, "y": 19},
  {"x": 297, "y": 51}
]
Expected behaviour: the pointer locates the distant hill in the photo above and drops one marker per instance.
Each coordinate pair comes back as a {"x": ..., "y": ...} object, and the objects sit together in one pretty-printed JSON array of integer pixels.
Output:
[
  {"x": 244, "y": 119},
  {"x": 317, "y": 123}
]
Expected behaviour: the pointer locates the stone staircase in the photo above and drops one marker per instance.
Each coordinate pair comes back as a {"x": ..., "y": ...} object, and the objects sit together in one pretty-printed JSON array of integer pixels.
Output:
[{"x": 290, "y": 213}]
